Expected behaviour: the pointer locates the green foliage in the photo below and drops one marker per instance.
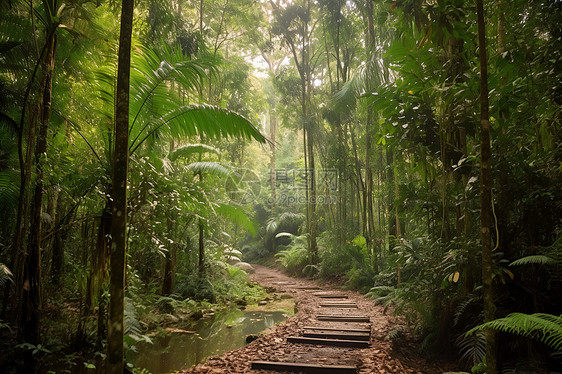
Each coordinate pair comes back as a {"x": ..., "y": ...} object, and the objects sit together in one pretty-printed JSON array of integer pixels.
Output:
[
  {"x": 395, "y": 114},
  {"x": 237, "y": 216},
  {"x": 191, "y": 149},
  {"x": 546, "y": 328},
  {"x": 285, "y": 219},
  {"x": 38, "y": 349},
  {"x": 9, "y": 192},
  {"x": 288, "y": 222},
  {"x": 335, "y": 260},
  {"x": 6, "y": 275},
  {"x": 133, "y": 330},
  {"x": 534, "y": 259},
  {"x": 198, "y": 288},
  {"x": 472, "y": 348},
  {"x": 295, "y": 258},
  {"x": 209, "y": 167}
]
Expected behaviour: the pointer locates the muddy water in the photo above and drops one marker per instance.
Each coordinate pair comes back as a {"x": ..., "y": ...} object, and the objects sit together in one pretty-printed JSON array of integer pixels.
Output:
[{"x": 213, "y": 336}]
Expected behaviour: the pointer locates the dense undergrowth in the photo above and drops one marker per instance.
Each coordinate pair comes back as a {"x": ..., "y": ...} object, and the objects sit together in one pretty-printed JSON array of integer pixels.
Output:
[
  {"x": 146, "y": 314},
  {"x": 424, "y": 282},
  {"x": 371, "y": 176}
]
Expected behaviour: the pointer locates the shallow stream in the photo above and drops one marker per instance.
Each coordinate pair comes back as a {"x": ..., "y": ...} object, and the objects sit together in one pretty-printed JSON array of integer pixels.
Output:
[{"x": 212, "y": 336}]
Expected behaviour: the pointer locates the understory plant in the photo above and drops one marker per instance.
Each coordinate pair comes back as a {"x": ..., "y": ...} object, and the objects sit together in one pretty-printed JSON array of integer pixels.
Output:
[{"x": 295, "y": 257}]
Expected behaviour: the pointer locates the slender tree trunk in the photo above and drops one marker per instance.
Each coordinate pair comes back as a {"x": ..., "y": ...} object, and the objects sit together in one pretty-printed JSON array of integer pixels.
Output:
[
  {"x": 98, "y": 268},
  {"x": 169, "y": 272},
  {"x": 486, "y": 195},
  {"x": 273, "y": 159},
  {"x": 59, "y": 238},
  {"x": 501, "y": 26},
  {"x": 31, "y": 295},
  {"x": 22, "y": 218},
  {"x": 116, "y": 328},
  {"x": 49, "y": 227},
  {"x": 313, "y": 225},
  {"x": 397, "y": 222},
  {"x": 201, "y": 265}
]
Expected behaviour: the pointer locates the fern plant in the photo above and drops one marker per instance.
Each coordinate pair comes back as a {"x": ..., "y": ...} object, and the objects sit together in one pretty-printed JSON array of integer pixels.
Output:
[
  {"x": 546, "y": 328},
  {"x": 133, "y": 329},
  {"x": 472, "y": 348},
  {"x": 295, "y": 258}
]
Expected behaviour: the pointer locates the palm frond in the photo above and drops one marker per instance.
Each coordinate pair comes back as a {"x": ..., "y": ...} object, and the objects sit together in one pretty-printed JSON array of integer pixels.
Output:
[
  {"x": 282, "y": 220},
  {"x": 209, "y": 167},
  {"x": 6, "y": 275},
  {"x": 150, "y": 72},
  {"x": 546, "y": 328},
  {"x": 365, "y": 81},
  {"x": 190, "y": 149},
  {"x": 202, "y": 120},
  {"x": 237, "y": 216},
  {"x": 345, "y": 99},
  {"x": 10, "y": 123},
  {"x": 212, "y": 122}
]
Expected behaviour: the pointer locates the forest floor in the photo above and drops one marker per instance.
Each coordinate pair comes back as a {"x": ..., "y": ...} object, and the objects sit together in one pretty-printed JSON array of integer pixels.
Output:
[{"x": 383, "y": 356}]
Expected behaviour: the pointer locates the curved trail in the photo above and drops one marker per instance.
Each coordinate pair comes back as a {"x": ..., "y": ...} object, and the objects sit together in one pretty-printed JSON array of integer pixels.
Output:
[{"x": 381, "y": 356}]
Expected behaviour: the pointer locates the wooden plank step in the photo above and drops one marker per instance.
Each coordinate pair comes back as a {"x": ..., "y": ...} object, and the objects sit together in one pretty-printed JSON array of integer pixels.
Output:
[
  {"x": 332, "y": 342},
  {"x": 339, "y": 305},
  {"x": 343, "y": 318},
  {"x": 301, "y": 367},
  {"x": 337, "y": 335},
  {"x": 308, "y": 288},
  {"x": 330, "y": 296},
  {"x": 343, "y": 329}
]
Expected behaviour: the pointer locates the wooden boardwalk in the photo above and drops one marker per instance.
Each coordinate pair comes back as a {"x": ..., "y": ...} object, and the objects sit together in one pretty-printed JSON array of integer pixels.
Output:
[{"x": 338, "y": 323}]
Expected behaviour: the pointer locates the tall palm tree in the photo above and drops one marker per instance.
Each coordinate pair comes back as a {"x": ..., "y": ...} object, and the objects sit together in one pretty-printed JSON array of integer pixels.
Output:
[{"x": 116, "y": 328}]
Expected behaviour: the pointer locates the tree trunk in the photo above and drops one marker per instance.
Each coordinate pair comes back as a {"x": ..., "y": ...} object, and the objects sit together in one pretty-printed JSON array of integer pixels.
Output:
[
  {"x": 59, "y": 238},
  {"x": 273, "y": 159},
  {"x": 50, "y": 228},
  {"x": 501, "y": 26},
  {"x": 313, "y": 224},
  {"x": 31, "y": 294},
  {"x": 486, "y": 194},
  {"x": 201, "y": 265},
  {"x": 22, "y": 218},
  {"x": 115, "y": 349}
]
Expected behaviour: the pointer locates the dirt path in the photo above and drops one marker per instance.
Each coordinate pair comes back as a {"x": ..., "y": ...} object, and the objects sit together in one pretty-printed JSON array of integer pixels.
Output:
[{"x": 380, "y": 357}]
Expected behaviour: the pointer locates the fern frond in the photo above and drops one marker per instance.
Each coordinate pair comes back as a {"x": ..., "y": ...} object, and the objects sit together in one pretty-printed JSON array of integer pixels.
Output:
[
  {"x": 9, "y": 191},
  {"x": 535, "y": 259},
  {"x": 379, "y": 291},
  {"x": 472, "y": 348},
  {"x": 463, "y": 306},
  {"x": 132, "y": 324},
  {"x": 546, "y": 328}
]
